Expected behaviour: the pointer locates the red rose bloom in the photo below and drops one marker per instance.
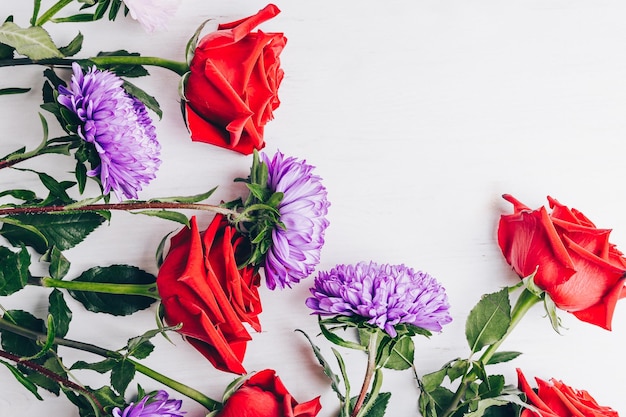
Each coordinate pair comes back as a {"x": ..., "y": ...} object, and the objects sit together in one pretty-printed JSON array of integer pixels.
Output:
[
  {"x": 202, "y": 289},
  {"x": 264, "y": 395},
  {"x": 576, "y": 264},
  {"x": 555, "y": 399},
  {"x": 231, "y": 90}
]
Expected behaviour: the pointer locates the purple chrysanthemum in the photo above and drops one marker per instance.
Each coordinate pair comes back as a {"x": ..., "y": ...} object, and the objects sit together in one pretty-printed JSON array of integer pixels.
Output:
[
  {"x": 295, "y": 249},
  {"x": 386, "y": 295},
  {"x": 157, "y": 405},
  {"x": 119, "y": 127}
]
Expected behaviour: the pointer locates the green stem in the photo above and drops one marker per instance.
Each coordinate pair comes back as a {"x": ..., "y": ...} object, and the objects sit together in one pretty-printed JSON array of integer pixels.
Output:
[
  {"x": 145, "y": 290},
  {"x": 372, "y": 353},
  {"x": 178, "y": 67},
  {"x": 524, "y": 302},
  {"x": 51, "y": 12},
  {"x": 124, "y": 206},
  {"x": 186, "y": 390}
]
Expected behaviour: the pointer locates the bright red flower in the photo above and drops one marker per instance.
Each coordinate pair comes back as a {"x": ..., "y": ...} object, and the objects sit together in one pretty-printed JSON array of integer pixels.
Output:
[
  {"x": 232, "y": 88},
  {"x": 264, "y": 395},
  {"x": 576, "y": 264},
  {"x": 555, "y": 399},
  {"x": 202, "y": 289}
]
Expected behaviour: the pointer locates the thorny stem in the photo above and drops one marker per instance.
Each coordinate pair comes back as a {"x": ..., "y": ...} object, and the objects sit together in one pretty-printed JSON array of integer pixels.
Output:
[
  {"x": 186, "y": 390},
  {"x": 126, "y": 206},
  {"x": 372, "y": 351},
  {"x": 50, "y": 374}
]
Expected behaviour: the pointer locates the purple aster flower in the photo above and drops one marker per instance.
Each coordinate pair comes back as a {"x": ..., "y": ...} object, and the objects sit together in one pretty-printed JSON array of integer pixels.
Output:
[
  {"x": 118, "y": 126},
  {"x": 295, "y": 249},
  {"x": 152, "y": 405},
  {"x": 385, "y": 295}
]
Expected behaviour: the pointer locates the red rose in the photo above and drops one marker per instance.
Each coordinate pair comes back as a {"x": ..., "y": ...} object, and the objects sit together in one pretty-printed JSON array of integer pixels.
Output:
[
  {"x": 202, "y": 289},
  {"x": 576, "y": 264},
  {"x": 555, "y": 399},
  {"x": 232, "y": 87},
  {"x": 264, "y": 395}
]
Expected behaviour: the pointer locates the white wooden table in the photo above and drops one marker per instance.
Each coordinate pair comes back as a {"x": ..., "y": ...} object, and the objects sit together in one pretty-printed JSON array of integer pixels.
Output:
[{"x": 418, "y": 115}]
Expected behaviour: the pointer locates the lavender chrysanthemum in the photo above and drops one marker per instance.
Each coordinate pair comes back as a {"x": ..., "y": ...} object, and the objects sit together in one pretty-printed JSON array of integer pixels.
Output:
[
  {"x": 119, "y": 127},
  {"x": 153, "y": 15},
  {"x": 157, "y": 405},
  {"x": 295, "y": 250},
  {"x": 385, "y": 295}
]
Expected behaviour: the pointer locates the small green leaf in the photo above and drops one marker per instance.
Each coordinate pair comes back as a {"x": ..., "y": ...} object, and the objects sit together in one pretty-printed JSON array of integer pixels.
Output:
[
  {"x": 59, "y": 265},
  {"x": 100, "y": 367},
  {"x": 76, "y": 18},
  {"x": 33, "y": 42},
  {"x": 334, "y": 379},
  {"x": 13, "y": 270},
  {"x": 60, "y": 312},
  {"x": 121, "y": 375},
  {"x": 500, "y": 357},
  {"x": 73, "y": 47},
  {"x": 115, "y": 304},
  {"x": 13, "y": 90},
  {"x": 21, "y": 345},
  {"x": 379, "y": 406},
  {"x": 167, "y": 215},
  {"x": 434, "y": 379},
  {"x": 401, "y": 355},
  {"x": 25, "y": 195},
  {"x": 185, "y": 199},
  {"x": 333, "y": 338},
  {"x": 144, "y": 97},
  {"x": 489, "y": 320},
  {"x": 22, "y": 379}
]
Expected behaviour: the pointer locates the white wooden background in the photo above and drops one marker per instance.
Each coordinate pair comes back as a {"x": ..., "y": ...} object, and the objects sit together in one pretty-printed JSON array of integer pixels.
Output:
[{"x": 418, "y": 115}]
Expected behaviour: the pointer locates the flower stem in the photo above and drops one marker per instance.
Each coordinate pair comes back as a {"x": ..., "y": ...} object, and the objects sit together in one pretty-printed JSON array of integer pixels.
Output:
[
  {"x": 186, "y": 390},
  {"x": 124, "y": 206},
  {"x": 178, "y": 67},
  {"x": 145, "y": 290},
  {"x": 372, "y": 353},
  {"x": 51, "y": 12},
  {"x": 524, "y": 302}
]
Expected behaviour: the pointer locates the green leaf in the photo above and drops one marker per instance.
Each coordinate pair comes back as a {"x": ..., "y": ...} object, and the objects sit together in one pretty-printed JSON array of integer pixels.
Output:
[
  {"x": 488, "y": 321},
  {"x": 25, "y": 195},
  {"x": 484, "y": 404},
  {"x": 33, "y": 42},
  {"x": 166, "y": 214},
  {"x": 499, "y": 357},
  {"x": 59, "y": 265},
  {"x": 434, "y": 379},
  {"x": 115, "y": 304},
  {"x": 18, "y": 233},
  {"x": 121, "y": 375},
  {"x": 36, "y": 7},
  {"x": 73, "y": 47},
  {"x": 60, "y": 312},
  {"x": 63, "y": 230},
  {"x": 123, "y": 70},
  {"x": 21, "y": 378},
  {"x": 52, "y": 363},
  {"x": 401, "y": 354},
  {"x": 48, "y": 343},
  {"x": 333, "y": 338},
  {"x": 13, "y": 270},
  {"x": 433, "y": 403},
  {"x": 185, "y": 199},
  {"x": 144, "y": 97},
  {"x": 76, "y": 18},
  {"x": 379, "y": 406},
  {"x": 20, "y": 345},
  {"x": 491, "y": 387},
  {"x": 13, "y": 90},
  {"x": 334, "y": 379},
  {"x": 100, "y": 367}
]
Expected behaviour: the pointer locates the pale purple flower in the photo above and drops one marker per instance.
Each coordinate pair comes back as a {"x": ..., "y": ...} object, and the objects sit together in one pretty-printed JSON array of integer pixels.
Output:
[
  {"x": 152, "y": 15},
  {"x": 118, "y": 126},
  {"x": 384, "y": 295},
  {"x": 295, "y": 249},
  {"x": 152, "y": 405}
]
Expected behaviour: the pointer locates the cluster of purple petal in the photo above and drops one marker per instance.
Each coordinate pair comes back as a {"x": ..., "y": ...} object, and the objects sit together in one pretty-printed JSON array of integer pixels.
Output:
[
  {"x": 295, "y": 250},
  {"x": 119, "y": 127},
  {"x": 385, "y": 295},
  {"x": 157, "y": 405}
]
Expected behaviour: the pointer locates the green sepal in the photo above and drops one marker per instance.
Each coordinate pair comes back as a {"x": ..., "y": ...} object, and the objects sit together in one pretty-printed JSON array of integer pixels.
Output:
[{"x": 193, "y": 42}]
